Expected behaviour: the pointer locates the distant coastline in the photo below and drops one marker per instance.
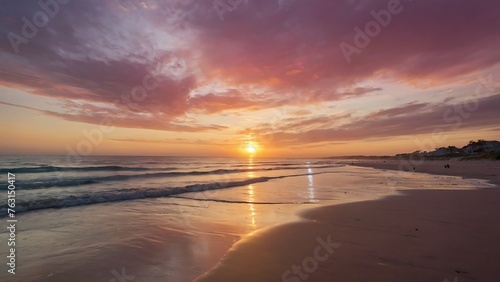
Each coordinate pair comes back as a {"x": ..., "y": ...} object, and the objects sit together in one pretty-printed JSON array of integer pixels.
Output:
[{"x": 474, "y": 150}]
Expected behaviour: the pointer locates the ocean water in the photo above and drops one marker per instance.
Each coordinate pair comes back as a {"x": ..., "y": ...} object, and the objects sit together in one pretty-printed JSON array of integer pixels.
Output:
[
  {"x": 167, "y": 218},
  {"x": 49, "y": 182}
]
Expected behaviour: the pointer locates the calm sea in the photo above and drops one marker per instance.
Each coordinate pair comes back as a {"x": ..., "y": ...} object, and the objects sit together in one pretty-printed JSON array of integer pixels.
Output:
[{"x": 51, "y": 182}]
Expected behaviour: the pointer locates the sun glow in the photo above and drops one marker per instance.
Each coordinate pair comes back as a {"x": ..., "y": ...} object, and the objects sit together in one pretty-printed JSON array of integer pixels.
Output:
[{"x": 251, "y": 148}]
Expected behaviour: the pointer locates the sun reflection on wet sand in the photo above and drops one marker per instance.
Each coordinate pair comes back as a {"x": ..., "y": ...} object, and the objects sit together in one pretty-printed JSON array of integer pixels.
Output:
[
  {"x": 251, "y": 200},
  {"x": 310, "y": 179}
]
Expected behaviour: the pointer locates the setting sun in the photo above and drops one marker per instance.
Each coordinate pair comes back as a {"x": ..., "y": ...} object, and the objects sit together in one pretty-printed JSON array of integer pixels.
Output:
[{"x": 251, "y": 148}]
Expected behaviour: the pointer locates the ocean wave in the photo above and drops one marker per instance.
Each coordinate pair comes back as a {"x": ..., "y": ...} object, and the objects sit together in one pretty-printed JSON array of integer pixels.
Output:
[
  {"x": 131, "y": 194},
  {"x": 79, "y": 181},
  {"x": 49, "y": 168}
]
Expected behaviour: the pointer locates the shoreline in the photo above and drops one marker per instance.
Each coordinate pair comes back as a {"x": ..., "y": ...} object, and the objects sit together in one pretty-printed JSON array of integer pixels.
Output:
[
  {"x": 416, "y": 235},
  {"x": 477, "y": 169}
]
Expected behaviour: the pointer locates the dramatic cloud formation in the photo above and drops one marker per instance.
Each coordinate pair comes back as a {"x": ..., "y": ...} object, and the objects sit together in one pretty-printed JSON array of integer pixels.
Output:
[
  {"x": 410, "y": 119},
  {"x": 185, "y": 66}
]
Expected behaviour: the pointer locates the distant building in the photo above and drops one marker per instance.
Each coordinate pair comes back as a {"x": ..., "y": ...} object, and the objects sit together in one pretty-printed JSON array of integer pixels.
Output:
[
  {"x": 482, "y": 147},
  {"x": 444, "y": 151},
  {"x": 440, "y": 152},
  {"x": 492, "y": 146},
  {"x": 474, "y": 147}
]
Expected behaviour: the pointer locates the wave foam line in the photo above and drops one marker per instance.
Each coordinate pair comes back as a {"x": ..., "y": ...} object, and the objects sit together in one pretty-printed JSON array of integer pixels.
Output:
[
  {"x": 49, "y": 168},
  {"x": 69, "y": 182},
  {"x": 133, "y": 194}
]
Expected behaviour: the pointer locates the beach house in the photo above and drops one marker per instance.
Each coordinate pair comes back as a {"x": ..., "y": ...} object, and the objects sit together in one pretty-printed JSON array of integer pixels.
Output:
[{"x": 481, "y": 147}]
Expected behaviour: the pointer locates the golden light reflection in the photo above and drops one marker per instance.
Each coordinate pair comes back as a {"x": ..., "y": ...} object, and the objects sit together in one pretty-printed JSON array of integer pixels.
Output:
[
  {"x": 251, "y": 200},
  {"x": 311, "y": 185},
  {"x": 250, "y": 173}
]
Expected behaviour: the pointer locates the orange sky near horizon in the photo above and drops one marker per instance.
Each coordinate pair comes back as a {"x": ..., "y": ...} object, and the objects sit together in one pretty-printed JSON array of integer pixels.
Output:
[{"x": 266, "y": 79}]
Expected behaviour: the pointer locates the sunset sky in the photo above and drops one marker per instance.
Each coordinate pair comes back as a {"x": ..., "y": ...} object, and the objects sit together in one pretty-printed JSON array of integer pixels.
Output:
[{"x": 208, "y": 78}]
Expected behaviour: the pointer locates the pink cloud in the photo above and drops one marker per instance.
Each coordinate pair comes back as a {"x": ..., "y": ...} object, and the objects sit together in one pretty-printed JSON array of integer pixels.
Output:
[
  {"x": 260, "y": 41},
  {"x": 410, "y": 119},
  {"x": 94, "y": 54}
]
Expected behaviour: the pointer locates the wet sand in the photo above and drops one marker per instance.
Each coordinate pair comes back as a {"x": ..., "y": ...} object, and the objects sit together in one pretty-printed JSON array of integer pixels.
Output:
[{"x": 417, "y": 235}]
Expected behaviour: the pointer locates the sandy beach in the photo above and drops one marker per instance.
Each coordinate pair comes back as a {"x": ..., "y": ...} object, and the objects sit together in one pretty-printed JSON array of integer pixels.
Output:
[
  {"x": 416, "y": 235},
  {"x": 303, "y": 220},
  {"x": 483, "y": 169}
]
